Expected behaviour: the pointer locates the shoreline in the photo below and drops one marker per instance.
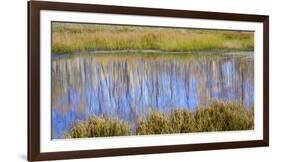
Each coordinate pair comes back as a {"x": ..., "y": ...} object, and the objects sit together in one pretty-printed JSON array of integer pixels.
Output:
[{"x": 136, "y": 51}]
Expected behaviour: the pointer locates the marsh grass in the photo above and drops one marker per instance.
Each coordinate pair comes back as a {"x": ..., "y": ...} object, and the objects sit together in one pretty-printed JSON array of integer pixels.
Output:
[
  {"x": 99, "y": 127},
  {"x": 68, "y": 38},
  {"x": 218, "y": 116},
  {"x": 179, "y": 121}
]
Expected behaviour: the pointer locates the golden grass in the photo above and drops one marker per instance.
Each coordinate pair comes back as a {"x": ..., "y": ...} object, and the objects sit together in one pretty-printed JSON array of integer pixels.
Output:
[
  {"x": 67, "y": 38},
  {"x": 218, "y": 116},
  {"x": 99, "y": 127}
]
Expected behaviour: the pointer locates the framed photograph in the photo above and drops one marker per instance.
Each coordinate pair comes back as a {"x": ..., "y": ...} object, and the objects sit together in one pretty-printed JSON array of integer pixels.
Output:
[{"x": 113, "y": 80}]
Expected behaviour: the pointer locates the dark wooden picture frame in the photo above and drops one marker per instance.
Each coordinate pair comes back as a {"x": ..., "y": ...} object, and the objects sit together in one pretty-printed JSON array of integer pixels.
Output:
[{"x": 34, "y": 8}]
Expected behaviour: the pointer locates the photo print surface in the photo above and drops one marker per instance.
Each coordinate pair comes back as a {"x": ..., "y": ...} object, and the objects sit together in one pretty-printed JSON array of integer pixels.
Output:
[{"x": 122, "y": 80}]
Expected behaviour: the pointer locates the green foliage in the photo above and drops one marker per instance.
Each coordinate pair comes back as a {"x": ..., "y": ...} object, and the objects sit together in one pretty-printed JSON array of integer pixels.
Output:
[
  {"x": 67, "y": 38},
  {"x": 218, "y": 116}
]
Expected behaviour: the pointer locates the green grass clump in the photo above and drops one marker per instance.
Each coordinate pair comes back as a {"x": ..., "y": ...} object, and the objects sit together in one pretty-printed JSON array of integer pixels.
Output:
[
  {"x": 99, "y": 127},
  {"x": 156, "y": 123},
  {"x": 68, "y": 38},
  {"x": 217, "y": 116},
  {"x": 179, "y": 121}
]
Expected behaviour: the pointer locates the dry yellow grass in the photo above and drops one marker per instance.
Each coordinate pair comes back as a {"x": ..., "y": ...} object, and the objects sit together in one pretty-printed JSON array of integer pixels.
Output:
[
  {"x": 218, "y": 116},
  {"x": 67, "y": 38}
]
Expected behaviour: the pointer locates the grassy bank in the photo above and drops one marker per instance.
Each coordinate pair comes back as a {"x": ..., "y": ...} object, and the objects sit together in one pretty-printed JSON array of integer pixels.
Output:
[
  {"x": 68, "y": 38},
  {"x": 217, "y": 116}
]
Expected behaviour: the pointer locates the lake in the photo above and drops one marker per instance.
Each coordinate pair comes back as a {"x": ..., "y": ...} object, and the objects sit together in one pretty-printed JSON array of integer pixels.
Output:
[{"x": 128, "y": 86}]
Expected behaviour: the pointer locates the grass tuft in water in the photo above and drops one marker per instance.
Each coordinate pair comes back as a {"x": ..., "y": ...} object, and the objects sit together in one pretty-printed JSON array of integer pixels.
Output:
[
  {"x": 99, "y": 127},
  {"x": 218, "y": 116},
  {"x": 179, "y": 121}
]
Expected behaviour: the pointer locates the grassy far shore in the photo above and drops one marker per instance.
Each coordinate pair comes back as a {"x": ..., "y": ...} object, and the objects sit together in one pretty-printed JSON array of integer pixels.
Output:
[
  {"x": 69, "y": 38},
  {"x": 217, "y": 116}
]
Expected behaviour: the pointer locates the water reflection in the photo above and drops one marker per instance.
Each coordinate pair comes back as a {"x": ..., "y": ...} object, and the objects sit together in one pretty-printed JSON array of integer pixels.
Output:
[{"x": 126, "y": 86}]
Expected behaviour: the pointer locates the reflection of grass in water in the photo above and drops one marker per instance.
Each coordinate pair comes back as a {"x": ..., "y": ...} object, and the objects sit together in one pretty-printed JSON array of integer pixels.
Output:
[
  {"x": 148, "y": 65},
  {"x": 102, "y": 57},
  {"x": 67, "y": 38},
  {"x": 217, "y": 116},
  {"x": 136, "y": 58}
]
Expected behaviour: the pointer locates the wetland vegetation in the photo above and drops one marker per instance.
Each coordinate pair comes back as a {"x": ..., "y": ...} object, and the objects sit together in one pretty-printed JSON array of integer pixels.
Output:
[
  {"x": 217, "y": 116},
  {"x": 69, "y": 38}
]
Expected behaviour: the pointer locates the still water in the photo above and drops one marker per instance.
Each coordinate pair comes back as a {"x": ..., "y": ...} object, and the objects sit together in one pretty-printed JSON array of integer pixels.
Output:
[{"x": 127, "y": 86}]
